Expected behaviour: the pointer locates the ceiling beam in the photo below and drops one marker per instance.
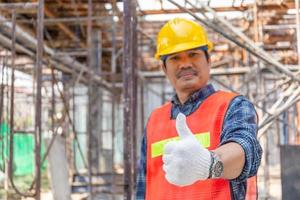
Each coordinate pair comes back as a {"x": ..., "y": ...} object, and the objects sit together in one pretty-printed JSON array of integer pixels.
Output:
[{"x": 285, "y": 6}]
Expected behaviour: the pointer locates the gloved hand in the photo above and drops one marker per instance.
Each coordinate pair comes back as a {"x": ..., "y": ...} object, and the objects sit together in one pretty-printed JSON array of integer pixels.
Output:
[{"x": 185, "y": 161}]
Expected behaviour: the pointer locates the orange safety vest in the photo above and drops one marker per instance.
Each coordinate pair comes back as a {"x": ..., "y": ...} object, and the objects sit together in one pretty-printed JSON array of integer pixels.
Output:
[{"x": 206, "y": 122}]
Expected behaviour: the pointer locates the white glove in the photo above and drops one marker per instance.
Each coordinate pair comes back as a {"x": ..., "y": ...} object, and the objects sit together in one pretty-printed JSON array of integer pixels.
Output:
[{"x": 185, "y": 161}]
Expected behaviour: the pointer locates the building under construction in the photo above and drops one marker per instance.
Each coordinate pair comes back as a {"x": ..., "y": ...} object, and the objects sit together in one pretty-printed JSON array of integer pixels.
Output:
[{"x": 78, "y": 81}]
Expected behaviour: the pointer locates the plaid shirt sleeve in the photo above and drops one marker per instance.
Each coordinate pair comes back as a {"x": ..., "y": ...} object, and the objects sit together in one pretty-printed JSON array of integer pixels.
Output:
[
  {"x": 141, "y": 175},
  {"x": 240, "y": 126}
]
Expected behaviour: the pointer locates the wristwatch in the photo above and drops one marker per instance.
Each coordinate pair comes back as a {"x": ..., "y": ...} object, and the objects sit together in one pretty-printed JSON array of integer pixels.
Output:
[{"x": 216, "y": 167}]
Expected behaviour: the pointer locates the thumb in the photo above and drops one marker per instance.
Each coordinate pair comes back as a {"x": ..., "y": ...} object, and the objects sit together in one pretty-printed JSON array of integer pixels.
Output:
[{"x": 182, "y": 128}]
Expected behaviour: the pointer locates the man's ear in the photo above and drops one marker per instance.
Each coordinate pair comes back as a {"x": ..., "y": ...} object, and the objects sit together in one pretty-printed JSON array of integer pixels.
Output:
[
  {"x": 209, "y": 61},
  {"x": 163, "y": 66}
]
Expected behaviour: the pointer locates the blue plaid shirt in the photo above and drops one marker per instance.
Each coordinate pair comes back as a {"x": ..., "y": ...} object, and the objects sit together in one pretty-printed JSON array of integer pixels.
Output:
[{"x": 240, "y": 126}]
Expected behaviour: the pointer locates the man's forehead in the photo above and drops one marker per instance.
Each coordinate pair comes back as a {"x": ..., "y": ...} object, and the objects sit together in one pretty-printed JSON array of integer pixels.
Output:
[{"x": 186, "y": 51}]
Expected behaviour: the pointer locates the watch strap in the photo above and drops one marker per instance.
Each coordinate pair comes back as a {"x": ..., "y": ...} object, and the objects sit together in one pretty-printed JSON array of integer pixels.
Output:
[{"x": 216, "y": 167}]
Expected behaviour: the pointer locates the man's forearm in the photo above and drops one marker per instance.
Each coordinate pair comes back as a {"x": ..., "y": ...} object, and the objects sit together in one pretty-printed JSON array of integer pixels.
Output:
[{"x": 233, "y": 157}]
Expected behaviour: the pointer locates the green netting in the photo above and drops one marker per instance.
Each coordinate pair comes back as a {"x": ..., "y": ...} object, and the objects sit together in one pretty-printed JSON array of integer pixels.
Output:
[{"x": 23, "y": 151}]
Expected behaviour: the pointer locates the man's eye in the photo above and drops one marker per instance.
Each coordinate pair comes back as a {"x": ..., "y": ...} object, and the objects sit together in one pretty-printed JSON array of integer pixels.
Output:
[
  {"x": 192, "y": 54},
  {"x": 174, "y": 58}
]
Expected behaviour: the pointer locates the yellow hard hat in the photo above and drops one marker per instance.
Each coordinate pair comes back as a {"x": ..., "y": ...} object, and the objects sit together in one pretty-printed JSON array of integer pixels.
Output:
[{"x": 179, "y": 35}]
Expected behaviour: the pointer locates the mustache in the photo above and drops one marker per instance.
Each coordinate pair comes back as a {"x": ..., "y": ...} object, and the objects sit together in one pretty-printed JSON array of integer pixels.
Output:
[{"x": 186, "y": 71}]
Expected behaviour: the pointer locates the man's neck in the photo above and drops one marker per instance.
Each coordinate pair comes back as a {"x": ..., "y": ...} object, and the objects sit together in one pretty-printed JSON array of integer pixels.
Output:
[{"x": 184, "y": 96}]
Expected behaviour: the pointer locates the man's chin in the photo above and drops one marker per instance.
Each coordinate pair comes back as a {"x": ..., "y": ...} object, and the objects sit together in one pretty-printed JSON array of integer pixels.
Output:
[
  {"x": 189, "y": 85},
  {"x": 189, "y": 81}
]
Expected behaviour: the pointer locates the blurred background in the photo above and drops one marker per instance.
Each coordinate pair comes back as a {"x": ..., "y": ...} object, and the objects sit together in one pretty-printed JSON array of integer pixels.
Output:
[{"x": 78, "y": 81}]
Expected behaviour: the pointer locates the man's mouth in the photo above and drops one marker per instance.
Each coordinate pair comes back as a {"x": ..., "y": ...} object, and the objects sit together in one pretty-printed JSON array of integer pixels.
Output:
[{"x": 186, "y": 73}]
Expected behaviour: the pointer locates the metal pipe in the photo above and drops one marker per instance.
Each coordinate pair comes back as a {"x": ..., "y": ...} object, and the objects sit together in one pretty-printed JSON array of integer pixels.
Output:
[
  {"x": 255, "y": 103},
  {"x": 287, "y": 94},
  {"x": 298, "y": 50},
  {"x": 261, "y": 53},
  {"x": 255, "y": 21},
  {"x": 142, "y": 104},
  {"x": 53, "y": 103},
  {"x": 264, "y": 127},
  {"x": 113, "y": 49},
  {"x": 275, "y": 89},
  {"x": 113, "y": 102},
  {"x": 134, "y": 83},
  {"x": 74, "y": 117},
  {"x": 3, "y": 153},
  {"x": 2, "y": 93},
  {"x": 63, "y": 20},
  {"x": 5, "y": 41},
  {"x": 6, "y": 186},
  {"x": 12, "y": 95},
  {"x": 78, "y": 19},
  {"x": 68, "y": 61},
  {"x": 95, "y": 104},
  {"x": 81, "y": 52},
  {"x": 277, "y": 109},
  {"x": 298, "y": 29},
  {"x": 90, "y": 136},
  {"x": 258, "y": 52},
  {"x": 38, "y": 105},
  {"x": 11, "y": 141},
  {"x": 113, "y": 134},
  {"x": 279, "y": 26},
  {"x": 127, "y": 88},
  {"x": 23, "y": 6}
]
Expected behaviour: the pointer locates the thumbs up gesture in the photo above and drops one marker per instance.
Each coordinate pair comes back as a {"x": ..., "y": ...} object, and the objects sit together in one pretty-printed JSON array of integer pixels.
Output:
[{"x": 185, "y": 161}]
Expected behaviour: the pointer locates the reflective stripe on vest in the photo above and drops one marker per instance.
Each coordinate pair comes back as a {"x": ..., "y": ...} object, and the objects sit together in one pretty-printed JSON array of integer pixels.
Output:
[
  {"x": 206, "y": 120},
  {"x": 158, "y": 147}
]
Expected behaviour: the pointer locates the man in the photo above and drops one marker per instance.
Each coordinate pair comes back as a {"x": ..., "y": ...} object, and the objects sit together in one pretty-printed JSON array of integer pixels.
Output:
[{"x": 202, "y": 144}]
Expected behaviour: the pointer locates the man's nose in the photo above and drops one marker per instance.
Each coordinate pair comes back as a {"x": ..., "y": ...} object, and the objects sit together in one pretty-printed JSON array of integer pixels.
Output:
[{"x": 185, "y": 63}]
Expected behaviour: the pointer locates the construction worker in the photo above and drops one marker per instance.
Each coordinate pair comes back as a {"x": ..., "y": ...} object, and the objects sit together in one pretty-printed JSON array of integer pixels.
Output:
[{"x": 202, "y": 144}]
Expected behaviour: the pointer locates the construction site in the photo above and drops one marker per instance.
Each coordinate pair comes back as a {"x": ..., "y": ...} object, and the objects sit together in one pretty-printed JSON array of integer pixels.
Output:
[{"x": 79, "y": 80}]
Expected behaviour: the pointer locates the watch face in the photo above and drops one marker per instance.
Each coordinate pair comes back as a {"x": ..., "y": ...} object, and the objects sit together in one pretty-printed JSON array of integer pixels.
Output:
[{"x": 218, "y": 169}]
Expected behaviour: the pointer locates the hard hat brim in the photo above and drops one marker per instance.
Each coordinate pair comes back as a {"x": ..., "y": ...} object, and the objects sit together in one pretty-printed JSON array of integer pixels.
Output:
[{"x": 183, "y": 47}]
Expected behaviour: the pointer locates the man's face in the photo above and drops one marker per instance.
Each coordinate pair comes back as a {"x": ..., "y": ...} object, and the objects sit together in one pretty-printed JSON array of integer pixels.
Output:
[{"x": 187, "y": 71}]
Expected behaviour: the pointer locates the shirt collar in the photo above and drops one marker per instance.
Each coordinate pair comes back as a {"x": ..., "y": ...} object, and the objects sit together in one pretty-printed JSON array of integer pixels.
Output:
[{"x": 200, "y": 94}]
